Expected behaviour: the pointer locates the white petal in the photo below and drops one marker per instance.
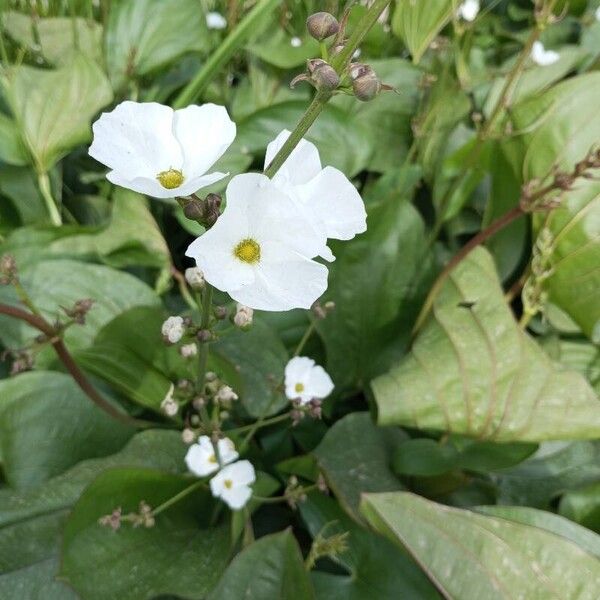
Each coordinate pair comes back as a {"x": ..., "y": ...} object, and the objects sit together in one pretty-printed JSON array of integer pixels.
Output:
[
  {"x": 215, "y": 20},
  {"x": 543, "y": 57},
  {"x": 227, "y": 452},
  {"x": 236, "y": 497},
  {"x": 284, "y": 280},
  {"x": 298, "y": 369},
  {"x": 300, "y": 166},
  {"x": 204, "y": 132},
  {"x": 217, "y": 484},
  {"x": 241, "y": 473},
  {"x": 320, "y": 384},
  {"x": 136, "y": 139},
  {"x": 332, "y": 198},
  {"x": 142, "y": 185},
  {"x": 198, "y": 460}
]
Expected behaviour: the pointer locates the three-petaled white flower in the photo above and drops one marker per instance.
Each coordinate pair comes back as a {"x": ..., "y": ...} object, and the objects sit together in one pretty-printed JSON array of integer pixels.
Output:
[
  {"x": 331, "y": 204},
  {"x": 543, "y": 57},
  {"x": 154, "y": 150},
  {"x": 173, "y": 329},
  {"x": 260, "y": 249},
  {"x": 215, "y": 20},
  {"x": 468, "y": 10},
  {"x": 305, "y": 380},
  {"x": 232, "y": 484},
  {"x": 202, "y": 460}
]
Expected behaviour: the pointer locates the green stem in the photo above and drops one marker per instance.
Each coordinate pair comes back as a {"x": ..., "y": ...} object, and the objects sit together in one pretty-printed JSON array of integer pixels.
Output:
[
  {"x": 46, "y": 191},
  {"x": 265, "y": 423},
  {"x": 204, "y": 348},
  {"x": 185, "y": 492},
  {"x": 305, "y": 338},
  {"x": 339, "y": 63},
  {"x": 246, "y": 27}
]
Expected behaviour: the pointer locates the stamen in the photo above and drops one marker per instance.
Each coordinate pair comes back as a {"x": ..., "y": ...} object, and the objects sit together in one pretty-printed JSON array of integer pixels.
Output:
[
  {"x": 212, "y": 459},
  {"x": 247, "y": 251},
  {"x": 170, "y": 179},
  {"x": 299, "y": 387},
  {"x": 228, "y": 484}
]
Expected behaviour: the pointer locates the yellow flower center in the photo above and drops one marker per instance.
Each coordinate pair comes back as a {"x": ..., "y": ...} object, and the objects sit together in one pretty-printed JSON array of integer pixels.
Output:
[
  {"x": 299, "y": 387},
  {"x": 212, "y": 459},
  {"x": 170, "y": 179},
  {"x": 248, "y": 251},
  {"x": 228, "y": 484}
]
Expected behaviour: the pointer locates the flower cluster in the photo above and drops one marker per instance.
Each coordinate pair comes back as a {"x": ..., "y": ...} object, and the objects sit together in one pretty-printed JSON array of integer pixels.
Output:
[{"x": 233, "y": 480}]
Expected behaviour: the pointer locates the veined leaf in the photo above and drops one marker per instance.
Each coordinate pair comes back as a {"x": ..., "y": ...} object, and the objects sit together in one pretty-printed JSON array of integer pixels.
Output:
[{"x": 473, "y": 371}]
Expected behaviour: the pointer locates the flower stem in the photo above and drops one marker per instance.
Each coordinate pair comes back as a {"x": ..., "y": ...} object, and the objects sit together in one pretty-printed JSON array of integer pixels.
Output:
[
  {"x": 46, "y": 191},
  {"x": 305, "y": 338},
  {"x": 177, "y": 497},
  {"x": 238, "y": 36},
  {"x": 204, "y": 348},
  {"x": 265, "y": 423},
  {"x": 339, "y": 63}
]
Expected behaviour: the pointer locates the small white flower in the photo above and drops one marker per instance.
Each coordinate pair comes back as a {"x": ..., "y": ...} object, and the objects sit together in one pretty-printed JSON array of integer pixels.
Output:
[
  {"x": 468, "y": 10},
  {"x": 173, "y": 329},
  {"x": 327, "y": 197},
  {"x": 195, "y": 278},
  {"x": 201, "y": 459},
  {"x": 169, "y": 405},
  {"x": 225, "y": 394},
  {"x": 157, "y": 151},
  {"x": 215, "y": 20},
  {"x": 597, "y": 14},
  {"x": 243, "y": 316},
  {"x": 296, "y": 42},
  {"x": 304, "y": 380},
  {"x": 232, "y": 484},
  {"x": 189, "y": 350},
  {"x": 260, "y": 249},
  {"x": 543, "y": 57}
]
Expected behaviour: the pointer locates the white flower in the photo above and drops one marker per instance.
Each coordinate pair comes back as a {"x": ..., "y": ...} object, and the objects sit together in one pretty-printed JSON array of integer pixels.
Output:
[
  {"x": 157, "y": 151},
  {"x": 260, "y": 249},
  {"x": 189, "y": 350},
  {"x": 296, "y": 42},
  {"x": 243, "y": 316},
  {"x": 329, "y": 200},
  {"x": 304, "y": 380},
  {"x": 543, "y": 57},
  {"x": 169, "y": 406},
  {"x": 232, "y": 484},
  {"x": 195, "y": 278},
  {"x": 201, "y": 459},
  {"x": 225, "y": 394},
  {"x": 173, "y": 329},
  {"x": 215, "y": 20},
  {"x": 468, "y": 10},
  {"x": 597, "y": 14}
]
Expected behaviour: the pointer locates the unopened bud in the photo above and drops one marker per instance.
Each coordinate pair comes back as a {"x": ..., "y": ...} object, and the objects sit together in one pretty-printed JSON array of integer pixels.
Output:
[
  {"x": 322, "y": 25},
  {"x": 169, "y": 406},
  {"x": 220, "y": 312},
  {"x": 204, "y": 335},
  {"x": 79, "y": 310},
  {"x": 225, "y": 395},
  {"x": 8, "y": 269},
  {"x": 212, "y": 209},
  {"x": 243, "y": 317},
  {"x": 193, "y": 210},
  {"x": 188, "y": 436},
  {"x": 365, "y": 83},
  {"x": 173, "y": 329},
  {"x": 323, "y": 75},
  {"x": 195, "y": 278},
  {"x": 189, "y": 350}
]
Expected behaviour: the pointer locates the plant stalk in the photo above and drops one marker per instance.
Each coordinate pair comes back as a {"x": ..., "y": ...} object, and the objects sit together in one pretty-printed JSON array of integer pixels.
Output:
[{"x": 46, "y": 191}]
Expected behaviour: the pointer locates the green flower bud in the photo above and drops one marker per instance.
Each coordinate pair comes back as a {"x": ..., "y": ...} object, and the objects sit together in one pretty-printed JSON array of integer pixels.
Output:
[
  {"x": 323, "y": 75},
  {"x": 322, "y": 25}
]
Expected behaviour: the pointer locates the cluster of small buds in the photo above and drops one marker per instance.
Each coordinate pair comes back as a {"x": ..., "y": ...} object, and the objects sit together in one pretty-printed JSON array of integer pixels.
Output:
[
  {"x": 225, "y": 396},
  {"x": 113, "y": 520},
  {"x": 243, "y": 317},
  {"x": 173, "y": 329},
  {"x": 79, "y": 310},
  {"x": 189, "y": 350},
  {"x": 206, "y": 212},
  {"x": 294, "y": 492},
  {"x": 195, "y": 278},
  {"x": 322, "y": 310},
  {"x": 142, "y": 518},
  {"x": 312, "y": 409},
  {"x": 23, "y": 360},
  {"x": 8, "y": 270},
  {"x": 331, "y": 547},
  {"x": 534, "y": 296}
]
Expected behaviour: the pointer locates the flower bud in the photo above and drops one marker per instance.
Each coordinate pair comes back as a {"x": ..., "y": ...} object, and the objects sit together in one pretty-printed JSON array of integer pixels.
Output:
[
  {"x": 195, "y": 278},
  {"x": 225, "y": 395},
  {"x": 322, "y": 25},
  {"x": 193, "y": 210},
  {"x": 220, "y": 312},
  {"x": 79, "y": 310},
  {"x": 188, "y": 436},
  {"x": 169, "y": 405},
  {"x": 189, "y": 350},
  {"x": 243, "y": 317},
  {"x": 173, "y": 329},
  {"x": 323, "y": 75},
  {"x": 365, "y": 83},
  {"x": 212, "y": 209}
]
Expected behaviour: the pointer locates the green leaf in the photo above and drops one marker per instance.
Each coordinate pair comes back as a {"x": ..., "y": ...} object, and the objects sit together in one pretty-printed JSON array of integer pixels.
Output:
[
  {"x": 20, "y": 186},
  {"x": 375, "y": 567},
  {"x": 582, "y": 506},
  {"x": 369, "y": 329},
  {"x": 271, "y": 567},
  {"x": 12, "y": 150},
  {"x": 473, "y": 371},
  {"x": 417, "y": 23},
  {"x": 276, "y": 49},
  {"x": 252, "y": 362},
  {"x": 55, "y": 283},
  {"x": 56, "y": 35},
  {"x": 49, "y": 410},
  {"x": 143, "y": 35},
  {"x": 355, "y": 457},
  {"x": 53, "y": 108},
  {"x": 340, "y": 146},
  {"x": 179, "y": 555},
  {"x": 35, "y": 581},
  {"x": 424, "y": 457},
  {"x": 556, "y": 524},
  {"x": 469, "y": 555}
]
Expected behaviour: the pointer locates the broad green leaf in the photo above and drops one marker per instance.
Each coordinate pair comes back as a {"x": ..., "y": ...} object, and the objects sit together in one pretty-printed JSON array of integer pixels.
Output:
[
  {"x": 276, "y": 49},
  {"x": 252, "y": 362},
  {"x": 19, "y": 185},
  {"x": 473, "y": 371},
  {"x": 375, "y": 567},
  {"x": 12, "y": 150},
  {"x": 469, "y": 555},
  {"x": 53, "y": 109},
  {"x": 417, "y": 23},
  {"x": 339, "y": 145},
  {"x": 49, "y": 410},
  {"x": 355, "y": 457},
  {"x": 55, "y": 283},
  {"x": 180, "y": 555},
  {"x": 378, "y": 284},
  {"x": 35, "y": 582},
  {"x": 56, "y": 35},
  {"x": 271, "y": 567},
  {"x": 556, "y": 524},
  {"x": 582, "y": 506},
  {"x": 581, "y": 356},
  {"x": 143, "y": 35},
  {"x": 555, "y": 468}
]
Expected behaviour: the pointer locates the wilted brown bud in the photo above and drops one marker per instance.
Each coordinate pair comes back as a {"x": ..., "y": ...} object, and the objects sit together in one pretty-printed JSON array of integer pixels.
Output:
[
  {"x": 220, "y": 312},
  {"x": 323, "y": 75},
  {"x": 365, "y": 83},
  {"x": 322, "y": 25},
  {"x": 193, "y": 210},
  {"x": 79, "y": 310},
  {"x": 8, "y": 269},
  {"x": 204, "y": 335},
  {"x": 212, "y": 209}
]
